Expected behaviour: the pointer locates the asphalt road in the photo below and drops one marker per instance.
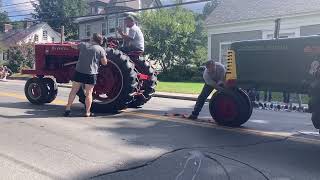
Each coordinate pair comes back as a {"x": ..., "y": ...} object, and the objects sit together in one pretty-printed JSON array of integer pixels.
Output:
[{"x": 38, "y": 143}]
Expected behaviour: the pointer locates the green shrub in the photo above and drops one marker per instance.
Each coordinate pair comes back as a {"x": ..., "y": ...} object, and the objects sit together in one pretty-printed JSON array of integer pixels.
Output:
[
  {"x": 181, "y": 73},
  {"x": 20, "y": 57}
]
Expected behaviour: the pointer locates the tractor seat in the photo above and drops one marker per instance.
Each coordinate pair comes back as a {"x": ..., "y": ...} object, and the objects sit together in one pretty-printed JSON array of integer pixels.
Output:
[{"x": 135, "y": 53}]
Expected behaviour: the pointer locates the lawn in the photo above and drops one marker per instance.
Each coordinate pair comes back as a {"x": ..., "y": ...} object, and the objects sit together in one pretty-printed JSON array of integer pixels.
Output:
[
  {"x": 195, "y": 88},
  {"x": 180, "y": 87}
]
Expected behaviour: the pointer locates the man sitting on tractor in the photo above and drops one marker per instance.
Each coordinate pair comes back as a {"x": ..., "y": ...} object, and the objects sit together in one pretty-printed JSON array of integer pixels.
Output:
[
  {"x": 134, "y": 40},
  {"x": 214, "y": 77}
]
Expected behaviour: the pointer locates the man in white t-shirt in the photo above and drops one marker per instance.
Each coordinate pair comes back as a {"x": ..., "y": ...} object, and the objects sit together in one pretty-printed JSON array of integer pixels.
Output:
[{"x": 134, "y": 39}]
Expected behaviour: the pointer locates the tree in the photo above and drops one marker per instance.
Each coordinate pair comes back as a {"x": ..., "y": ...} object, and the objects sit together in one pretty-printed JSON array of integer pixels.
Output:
[
  {"x": 20, "y": 56},
  {"x": 3, "y": 19},
  {"x": 168, "y": 34},
  {"x": 199, "y": 42},
  {"x": 57, "y": 13}
]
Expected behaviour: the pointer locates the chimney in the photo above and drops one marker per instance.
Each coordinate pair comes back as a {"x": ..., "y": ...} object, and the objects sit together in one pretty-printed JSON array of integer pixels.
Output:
[
  {"x": 7, "y": 27},
  {"x": 27, "y": 24}
]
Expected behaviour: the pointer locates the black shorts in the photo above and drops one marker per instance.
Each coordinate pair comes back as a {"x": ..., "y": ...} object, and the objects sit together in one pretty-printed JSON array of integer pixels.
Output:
[{"x": 85, "y": 78}]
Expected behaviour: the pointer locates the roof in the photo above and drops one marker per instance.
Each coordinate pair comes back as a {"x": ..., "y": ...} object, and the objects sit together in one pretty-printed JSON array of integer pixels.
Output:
[
  {"x": 14, "y": 36},
  {"x": 229, "y": 11},
  {"x": 114, "y": 10},
  {"x": 102, "y": 2}
]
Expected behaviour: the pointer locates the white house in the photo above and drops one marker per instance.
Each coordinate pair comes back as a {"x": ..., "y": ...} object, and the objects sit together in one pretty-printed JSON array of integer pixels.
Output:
[
  {"x": 106, "y": 24},
  {"x": 235, "y": 20},
  {"x": 31, "y": 33}
]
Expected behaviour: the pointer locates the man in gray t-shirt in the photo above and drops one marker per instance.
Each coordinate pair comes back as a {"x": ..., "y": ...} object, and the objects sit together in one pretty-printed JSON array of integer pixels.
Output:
[
  {"x": 134, "y": 40},
  {"x": 91, "y": 54},
  {"x": 89, "y": 58},
  {"x": 214, "y": 77}
]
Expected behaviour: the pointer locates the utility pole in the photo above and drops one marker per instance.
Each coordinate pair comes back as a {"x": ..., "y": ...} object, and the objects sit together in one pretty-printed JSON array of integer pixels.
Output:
[
  {"x": 62, "y": 34},
  {"x": 277, "y": 29}
]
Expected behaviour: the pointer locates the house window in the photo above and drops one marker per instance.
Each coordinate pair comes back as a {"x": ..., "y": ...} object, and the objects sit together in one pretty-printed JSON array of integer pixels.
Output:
[
  {"x": 93, "y": 10},
  {"x": 88, "y": 30},
  {"x": 36, "y": 38},
  {"x": 111, "y": 25},
  {"x": 121, "y": 24},
  {"x": 45, "y": 35},
  {"x": 224, "y": 47},
  {"x": 52, "y": 39},
  {"x": 104, "y": 29}
]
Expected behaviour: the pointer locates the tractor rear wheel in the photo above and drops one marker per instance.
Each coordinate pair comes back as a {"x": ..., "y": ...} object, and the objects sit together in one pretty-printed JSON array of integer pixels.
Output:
[
  {"x": 36, "y": 91},
  {"x": 230, "y": 108},
  {"x": 116, "y": 84},
  {"x": 147, "y": 87},
  {"x": 316, "y": 119}
]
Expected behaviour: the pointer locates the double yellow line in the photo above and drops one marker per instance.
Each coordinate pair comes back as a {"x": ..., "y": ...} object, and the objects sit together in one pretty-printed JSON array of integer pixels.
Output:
[{"x": 190, "y": 122}]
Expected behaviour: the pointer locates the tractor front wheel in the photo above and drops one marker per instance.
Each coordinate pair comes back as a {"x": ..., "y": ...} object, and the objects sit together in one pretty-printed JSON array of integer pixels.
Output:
[
  {"x": 230, "y": 108},
  {"x": 316, "y": 119},
  {"x": 36, "y": 91},
  {"x": 52, "y": 90}
]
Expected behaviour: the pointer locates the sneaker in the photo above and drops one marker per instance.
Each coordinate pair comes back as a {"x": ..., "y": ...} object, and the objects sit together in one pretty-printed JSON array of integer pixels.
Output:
[
  {"x": 193, "y": 117},
  {"x": 66, "y": 113}
]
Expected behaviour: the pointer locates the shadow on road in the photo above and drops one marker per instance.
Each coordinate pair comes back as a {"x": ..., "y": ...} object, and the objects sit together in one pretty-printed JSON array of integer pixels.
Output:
[
  {"x": 183, "y": 151},
  {"x": 222, "y": 154}
]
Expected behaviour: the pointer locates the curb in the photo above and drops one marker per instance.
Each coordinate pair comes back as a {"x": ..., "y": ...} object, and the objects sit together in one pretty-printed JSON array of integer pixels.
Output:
[
  {"x": 155, "y": 95},
  {"x": 18, "y": 78},
  {"x": 176, "y": 97}
]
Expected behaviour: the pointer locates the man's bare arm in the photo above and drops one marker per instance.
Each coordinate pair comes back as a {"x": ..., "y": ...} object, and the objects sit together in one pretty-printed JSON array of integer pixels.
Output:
[
  {"x": 104, "y": 61},
  {"x": 75, "y": 46},
  {"x": 124, "y": 35}
]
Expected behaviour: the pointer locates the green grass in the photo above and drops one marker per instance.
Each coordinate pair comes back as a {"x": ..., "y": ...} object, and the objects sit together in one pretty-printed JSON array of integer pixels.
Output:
[
  {"x": 195, "y": 88},
  {"x": 180, "y": 87}
]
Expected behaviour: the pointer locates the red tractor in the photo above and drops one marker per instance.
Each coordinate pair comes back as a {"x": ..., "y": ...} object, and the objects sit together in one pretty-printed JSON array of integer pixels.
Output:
[{"x": 129, "y": 80}]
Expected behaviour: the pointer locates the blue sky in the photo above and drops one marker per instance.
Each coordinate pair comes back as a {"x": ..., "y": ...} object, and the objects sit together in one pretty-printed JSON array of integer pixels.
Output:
[
  {"x": 17, "y": 10},
  {"x": 25, "y": 8}
]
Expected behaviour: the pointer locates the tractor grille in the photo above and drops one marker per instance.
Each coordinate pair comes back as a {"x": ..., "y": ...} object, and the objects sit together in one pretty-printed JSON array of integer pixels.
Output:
[{"x": 231, "y": 73}]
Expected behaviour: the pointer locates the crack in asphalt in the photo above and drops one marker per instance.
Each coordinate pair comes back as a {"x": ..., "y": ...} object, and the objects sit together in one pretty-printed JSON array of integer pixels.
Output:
[
  {"x": 241, "y": 162},
  {"x": 206, "y": 155},
  {"x": 220, "y": 164},
  {"x": 146, "y": 163}
]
